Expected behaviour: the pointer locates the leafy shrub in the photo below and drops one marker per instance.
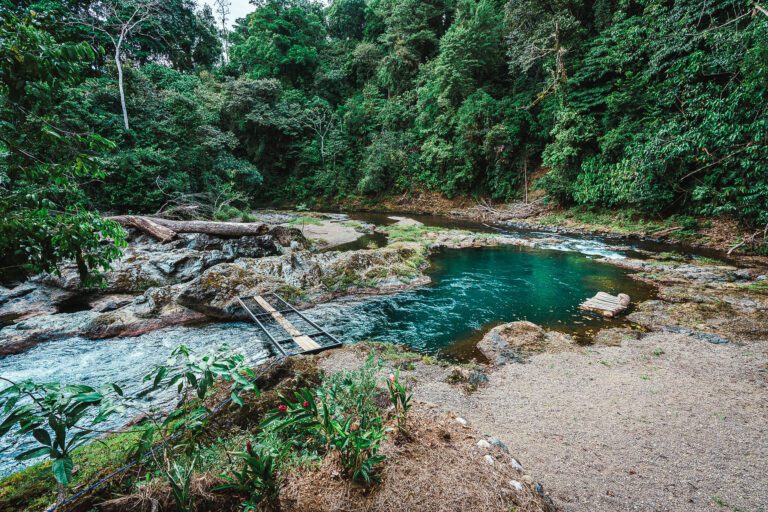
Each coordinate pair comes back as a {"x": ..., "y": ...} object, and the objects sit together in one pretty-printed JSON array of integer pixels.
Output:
[
  {"x": 400, "y": 399},
  {"x": 342, "y": 414},
  {"x": 258, "y": 477}
]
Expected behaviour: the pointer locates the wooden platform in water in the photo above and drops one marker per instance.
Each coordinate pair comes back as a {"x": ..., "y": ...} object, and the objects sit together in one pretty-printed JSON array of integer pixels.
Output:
[
  {"x": 300, "y": 339},
  {"x": 606, "y": 304},
  {"x": 271, "y": 314}
]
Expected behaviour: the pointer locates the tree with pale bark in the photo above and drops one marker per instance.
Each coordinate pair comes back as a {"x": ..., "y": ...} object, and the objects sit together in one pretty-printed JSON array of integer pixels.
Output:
[{"x": 119, "y": 20}]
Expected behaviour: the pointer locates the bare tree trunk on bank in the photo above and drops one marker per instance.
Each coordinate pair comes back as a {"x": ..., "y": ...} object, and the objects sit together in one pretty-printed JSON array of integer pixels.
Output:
[
  {"x": 120, "y": 86},
  {"x": 117, "y": 19},
  {"x": 165, "y": 229}
]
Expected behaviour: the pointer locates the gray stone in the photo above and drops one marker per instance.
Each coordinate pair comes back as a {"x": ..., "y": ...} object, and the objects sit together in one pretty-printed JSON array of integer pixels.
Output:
[
  {"x": 495, "y": 441},
  {"x": 699, "y": 335},
  {"x": 483, "y": 444},
  {"x": 511, "y": 342},
  {"x": 516, "y": 465},
  {"x": 489, "y": 460},
  {"x": 518, "y": 486},
  {"x": 477, "y": 378}
]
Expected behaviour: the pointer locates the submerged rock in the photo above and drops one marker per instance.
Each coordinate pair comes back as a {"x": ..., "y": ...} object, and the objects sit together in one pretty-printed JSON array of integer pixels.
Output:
[{"x": 512, "y": 341}]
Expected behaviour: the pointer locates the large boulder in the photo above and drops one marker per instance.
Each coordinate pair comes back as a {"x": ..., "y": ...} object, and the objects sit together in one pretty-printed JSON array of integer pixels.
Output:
[{"x": 513, "y": 341}]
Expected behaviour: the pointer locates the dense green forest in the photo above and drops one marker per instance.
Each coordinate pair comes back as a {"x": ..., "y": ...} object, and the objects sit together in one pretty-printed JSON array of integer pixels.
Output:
[{"x": 655, "y": 105}]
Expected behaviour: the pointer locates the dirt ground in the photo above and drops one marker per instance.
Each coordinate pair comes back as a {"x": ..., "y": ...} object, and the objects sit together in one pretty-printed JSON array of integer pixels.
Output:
[{"x": 664, "y": 423}]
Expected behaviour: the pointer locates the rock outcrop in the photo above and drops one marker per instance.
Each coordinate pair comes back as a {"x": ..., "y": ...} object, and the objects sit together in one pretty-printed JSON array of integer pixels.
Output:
[
  {"x": 306, "y": 274},
  {"x": 194, "y": 278},
  {"x": 513, "y": 341}
]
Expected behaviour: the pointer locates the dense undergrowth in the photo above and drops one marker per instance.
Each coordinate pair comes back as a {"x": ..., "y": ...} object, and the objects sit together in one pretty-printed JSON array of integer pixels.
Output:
[{"x": 235, "y": 459}]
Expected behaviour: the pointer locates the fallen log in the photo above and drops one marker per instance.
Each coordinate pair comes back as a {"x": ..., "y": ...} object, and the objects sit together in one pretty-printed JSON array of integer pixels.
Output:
[
  {"x": 146, "y": 225},
  {"x": 150, "y": 226}
]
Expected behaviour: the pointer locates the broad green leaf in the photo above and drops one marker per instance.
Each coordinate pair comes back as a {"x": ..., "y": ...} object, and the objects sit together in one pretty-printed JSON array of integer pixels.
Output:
[
  {"x": 62, "y": 470},
  {"x": 34, "y": 453}
]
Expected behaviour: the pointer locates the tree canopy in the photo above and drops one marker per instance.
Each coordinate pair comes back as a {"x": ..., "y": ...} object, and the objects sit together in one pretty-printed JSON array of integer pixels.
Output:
[{"x": 653, "y": 105}]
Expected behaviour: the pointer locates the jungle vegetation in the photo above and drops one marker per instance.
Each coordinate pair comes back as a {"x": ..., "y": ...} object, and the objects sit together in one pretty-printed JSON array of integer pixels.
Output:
[{"x": 136, "y": 106}]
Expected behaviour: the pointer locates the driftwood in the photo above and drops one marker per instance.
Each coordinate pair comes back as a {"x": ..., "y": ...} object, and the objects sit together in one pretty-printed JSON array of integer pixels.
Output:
[
  {"x": 165, "y": 229},
  {"x": 518, "y": 211},
  {"x": 667, "y": 231}
]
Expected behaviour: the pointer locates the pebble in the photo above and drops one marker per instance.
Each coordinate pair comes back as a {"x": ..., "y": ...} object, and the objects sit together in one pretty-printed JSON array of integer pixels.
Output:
[
  {"x": 495, "y": 441},
  {"x": 461, "y": 421},
  {"x": 518, "y": 486},
  {"x": 483, "y": 444},
  {"x": 517, "y": 465},
  {"x": 761, "y": 278},
  {"x": 527, "y": 479},
  {"x": 490, "y": 460},
  {"x": 539, "y": 489}
]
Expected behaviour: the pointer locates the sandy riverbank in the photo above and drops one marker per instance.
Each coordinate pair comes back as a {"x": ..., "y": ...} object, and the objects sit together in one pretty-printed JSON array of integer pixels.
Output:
[{"x": 666, "y": 422}]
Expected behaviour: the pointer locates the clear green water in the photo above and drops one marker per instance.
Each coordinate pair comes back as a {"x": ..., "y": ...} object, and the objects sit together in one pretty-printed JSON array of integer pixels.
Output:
[{"x": 474, "y": 289}]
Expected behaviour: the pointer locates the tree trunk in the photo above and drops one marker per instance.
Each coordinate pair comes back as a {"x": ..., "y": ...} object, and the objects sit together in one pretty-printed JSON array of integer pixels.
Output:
[
  {"x": 146, "y": 225},
  {"x": 120, "y": 86},
  {"x": 150, "y": 226}
]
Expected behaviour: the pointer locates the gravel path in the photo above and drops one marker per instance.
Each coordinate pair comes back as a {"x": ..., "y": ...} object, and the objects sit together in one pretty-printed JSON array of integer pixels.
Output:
[{"x": 666, "y": 423}]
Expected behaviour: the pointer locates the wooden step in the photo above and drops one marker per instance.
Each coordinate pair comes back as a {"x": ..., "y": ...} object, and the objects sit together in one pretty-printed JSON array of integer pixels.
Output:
[{"x": 302, "y": 340}]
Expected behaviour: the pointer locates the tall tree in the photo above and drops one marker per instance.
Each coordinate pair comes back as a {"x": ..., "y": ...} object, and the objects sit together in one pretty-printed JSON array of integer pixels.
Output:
[
  {"x": 118, "y": 20},
  {"x": 223, "y": 9}
]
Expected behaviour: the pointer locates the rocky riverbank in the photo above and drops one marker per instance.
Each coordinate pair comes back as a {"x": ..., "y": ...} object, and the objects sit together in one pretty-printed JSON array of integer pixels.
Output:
[
  {"x": 665, "y": 412},
  {"x": 193, "y": 279},
  {"x": 197, "y": 278}
]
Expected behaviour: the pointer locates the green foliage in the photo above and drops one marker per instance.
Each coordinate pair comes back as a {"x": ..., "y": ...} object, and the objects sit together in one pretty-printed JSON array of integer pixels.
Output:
[
  {"x": 192, "y": 377},
  {"x": 666, "y": 109},
  {"x": 180, "y": 477},
  {"x": 62, "y": 419},
  {"x": 55, "y": 415},
  {"x": 257, "y": 480},
  {"x": 647, "y": 105},
  {"x": 342, "y": 414},
  {"x": 44, "y": 164},
  {"x": 400, "y": 399}
]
